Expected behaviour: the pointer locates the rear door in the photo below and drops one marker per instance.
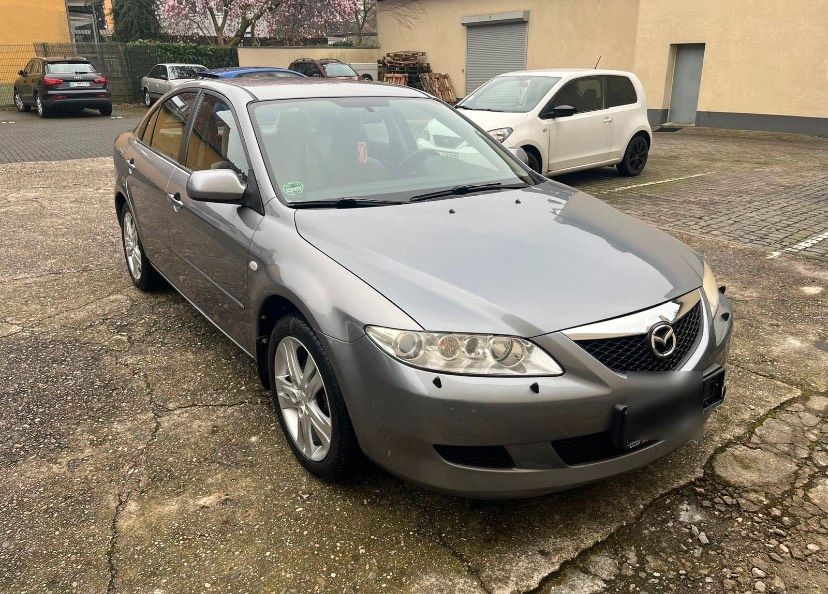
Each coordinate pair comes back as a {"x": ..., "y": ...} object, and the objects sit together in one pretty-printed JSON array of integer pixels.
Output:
[
  {"x": 154, "y": 157},
  {"x": 211, "y": 240},
  {"x": 584, "y": 138}
]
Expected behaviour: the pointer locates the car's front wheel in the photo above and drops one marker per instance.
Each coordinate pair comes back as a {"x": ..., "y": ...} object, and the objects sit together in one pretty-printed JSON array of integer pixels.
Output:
[
  {"x": 18, "y": 102},
  {"x": 635, "y": 157},
  {"x": 308, "y": 401},
  {"x": 42, "y": 110},
  {"x": 147, "y": 98},
  {"x": 140, "y": 269}
]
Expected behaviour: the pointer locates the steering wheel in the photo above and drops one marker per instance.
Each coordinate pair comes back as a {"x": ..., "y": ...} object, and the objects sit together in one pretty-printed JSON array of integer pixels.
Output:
[{"x": 412, "y": 160}]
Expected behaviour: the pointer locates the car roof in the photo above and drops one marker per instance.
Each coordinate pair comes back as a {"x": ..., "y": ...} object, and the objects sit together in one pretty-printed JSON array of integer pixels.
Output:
[
  {"x": 567, "y": 72},
  {"x": 179, "y": 64},
  {"x": 243, "y": 69},
  {"x": 265, "y": 89}
]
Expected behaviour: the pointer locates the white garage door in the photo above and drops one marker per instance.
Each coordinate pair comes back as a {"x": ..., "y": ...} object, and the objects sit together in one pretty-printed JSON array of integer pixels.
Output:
[{"x": 493, "y": 49}]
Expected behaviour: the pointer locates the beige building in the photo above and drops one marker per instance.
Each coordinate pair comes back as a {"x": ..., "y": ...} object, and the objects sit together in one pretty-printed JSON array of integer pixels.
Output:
[{"x": 750, "y": 64}]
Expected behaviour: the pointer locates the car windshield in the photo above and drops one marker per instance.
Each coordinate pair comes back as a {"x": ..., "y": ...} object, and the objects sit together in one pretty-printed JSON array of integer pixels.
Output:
[
  {"x": 338, "y": 69},
  {"x": 178, "y": 72},
  {"x": 513, "y": 93},
  {"x": 70, "y": 68},
  {"x": 375, "y": 148}
]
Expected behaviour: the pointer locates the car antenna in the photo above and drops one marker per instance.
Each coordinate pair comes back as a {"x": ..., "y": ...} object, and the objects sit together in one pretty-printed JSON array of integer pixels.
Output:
[{"x": 596, "y": 63}]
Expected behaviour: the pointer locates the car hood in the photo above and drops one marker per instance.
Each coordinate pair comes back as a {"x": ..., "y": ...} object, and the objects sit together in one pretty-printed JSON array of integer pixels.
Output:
[
  {"x": 491, "y": 120},
  {"x": 521, "y": 262}
]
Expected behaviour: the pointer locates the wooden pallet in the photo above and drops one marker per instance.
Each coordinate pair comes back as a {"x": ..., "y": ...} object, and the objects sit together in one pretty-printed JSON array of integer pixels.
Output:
[
  {"x": 395, "y": 79},
  {"x": 439, "y": 85},
  {"x": 403, "y": 59}
]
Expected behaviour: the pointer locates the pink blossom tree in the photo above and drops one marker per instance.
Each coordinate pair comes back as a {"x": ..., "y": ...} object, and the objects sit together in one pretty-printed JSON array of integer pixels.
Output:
[{"x": 229, "y": 20}]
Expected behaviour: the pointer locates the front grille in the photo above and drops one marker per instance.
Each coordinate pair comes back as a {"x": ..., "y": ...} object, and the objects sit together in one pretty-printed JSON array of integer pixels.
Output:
[
  {"x": 624, "y": 354},
  {"x": 590, "y": 448},
  {"x": 480, "y": 456}
]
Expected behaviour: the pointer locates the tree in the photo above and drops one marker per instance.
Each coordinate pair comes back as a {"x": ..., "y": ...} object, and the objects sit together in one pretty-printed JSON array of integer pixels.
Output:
[
  {"x": 364, "y": 18},
  {"x": 229, "y": 20},
  {"x": 135, "y": 19}
]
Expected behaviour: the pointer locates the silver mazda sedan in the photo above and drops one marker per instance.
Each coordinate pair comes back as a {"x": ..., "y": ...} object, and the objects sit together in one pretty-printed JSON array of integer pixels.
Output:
[{"x": 411, "y": 291}]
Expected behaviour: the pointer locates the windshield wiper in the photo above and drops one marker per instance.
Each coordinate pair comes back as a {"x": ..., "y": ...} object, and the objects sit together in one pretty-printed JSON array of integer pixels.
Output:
[
  {"x": 343, "y": 203},
  {"x": 466, "y": 189}
]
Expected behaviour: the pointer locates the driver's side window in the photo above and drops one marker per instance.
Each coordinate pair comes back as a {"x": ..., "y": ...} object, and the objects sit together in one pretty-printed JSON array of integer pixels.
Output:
[{"x": 584, "y": 94}]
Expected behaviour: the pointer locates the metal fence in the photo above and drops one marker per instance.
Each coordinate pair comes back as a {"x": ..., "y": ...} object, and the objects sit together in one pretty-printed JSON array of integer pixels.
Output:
[{"x": 123, "y": 64}]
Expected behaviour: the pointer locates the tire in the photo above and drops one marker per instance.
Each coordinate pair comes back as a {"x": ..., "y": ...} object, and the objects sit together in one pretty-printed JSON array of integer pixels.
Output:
[
  {"x": 42, "y": 110},
  {"x": 635, "y": 157},
  {"x": 147, "y": 98},
  {"x": 299, "y": 411},
  {"x": 106, "y": 111},
  {"x": 140, "y": 270},
  {"x": 18, "y": 103},
  {"x": 534, "y": 163}
]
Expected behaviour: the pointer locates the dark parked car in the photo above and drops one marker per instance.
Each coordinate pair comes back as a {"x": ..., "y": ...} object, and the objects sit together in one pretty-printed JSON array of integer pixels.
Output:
[
  {"x": 327, "y": 68},
  {"x": 251, "y": 71},
  {"x": 48, "y": 84}
]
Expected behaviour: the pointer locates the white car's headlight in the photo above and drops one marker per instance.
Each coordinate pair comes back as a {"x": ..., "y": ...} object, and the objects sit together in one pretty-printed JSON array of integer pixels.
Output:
[
  {"x": 500, "y": 134},
  {"x": 711, "y": 290},
  {"x": 468, "y": 354}
]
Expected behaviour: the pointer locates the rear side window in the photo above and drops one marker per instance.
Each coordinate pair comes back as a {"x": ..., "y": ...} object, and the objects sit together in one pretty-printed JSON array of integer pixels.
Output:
[
  {"x": 584, "y": 94},
  {"x": 215, "y": 142},
  {"x": 169, "y": 125},
  {"x": 70, "y": 68},
  {"x": 620, "y": 91}
]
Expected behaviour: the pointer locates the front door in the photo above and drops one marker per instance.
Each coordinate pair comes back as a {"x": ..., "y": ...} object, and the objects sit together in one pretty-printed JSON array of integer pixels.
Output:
[
  {"x": 211, "y": 240},
  {"x": 584, "y": 138},
  {"x": 684, "y": 100}
]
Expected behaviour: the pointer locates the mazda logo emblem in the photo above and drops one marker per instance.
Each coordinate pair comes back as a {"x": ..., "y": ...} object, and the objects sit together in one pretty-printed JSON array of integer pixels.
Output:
[{"x": 662, "y": 340}]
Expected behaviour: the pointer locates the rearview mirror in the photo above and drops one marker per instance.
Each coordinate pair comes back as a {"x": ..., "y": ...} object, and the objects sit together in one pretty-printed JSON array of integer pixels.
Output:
[
  {"x": 520, "y": 154},
  {"x": 21, "y": 72},
  {"x": 563, "y": 111},
  {"x": 215, "y": 185}
]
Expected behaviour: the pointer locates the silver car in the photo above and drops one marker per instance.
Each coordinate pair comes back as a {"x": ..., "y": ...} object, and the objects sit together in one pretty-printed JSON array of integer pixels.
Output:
[
  {"x": 163, "y": 77},
  {"x": 460, "y": 320}
]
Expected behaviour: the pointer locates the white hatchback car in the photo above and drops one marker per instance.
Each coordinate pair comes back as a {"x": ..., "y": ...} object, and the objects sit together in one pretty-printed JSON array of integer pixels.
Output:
[{"x": 566, "y": 120}]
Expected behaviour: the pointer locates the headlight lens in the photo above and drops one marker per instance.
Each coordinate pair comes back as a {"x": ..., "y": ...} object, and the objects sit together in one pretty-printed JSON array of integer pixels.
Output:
[
  {"x": 500, "y": 134},
  {"x": 469, "y": 354},
  {"x": 711, "y": 289}
]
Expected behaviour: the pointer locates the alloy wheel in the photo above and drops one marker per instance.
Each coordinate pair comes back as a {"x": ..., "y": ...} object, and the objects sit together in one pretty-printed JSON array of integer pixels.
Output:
[
  {"x": 39, "y": 105},
  {"x": 147, "y": 98},
  {"x": 18, "y": 101},
  {"x": 303, "y": 399},
  {"x": 132, "y": 248},
  {"x": 637, "y": 157}
]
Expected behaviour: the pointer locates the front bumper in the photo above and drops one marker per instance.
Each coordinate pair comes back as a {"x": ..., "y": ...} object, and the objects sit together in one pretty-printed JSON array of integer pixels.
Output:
[{"x": 400, "y": 414}]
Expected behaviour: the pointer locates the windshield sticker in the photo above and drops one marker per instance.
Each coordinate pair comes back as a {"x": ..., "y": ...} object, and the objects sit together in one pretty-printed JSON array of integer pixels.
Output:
[
  {"x": 362, "y": 152},
  {"x": 293, "y": 188}
]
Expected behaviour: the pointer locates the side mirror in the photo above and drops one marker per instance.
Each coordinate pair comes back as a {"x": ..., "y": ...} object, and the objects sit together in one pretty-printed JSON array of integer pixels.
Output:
[
  {"x": 21, "y": 72},
  {"x": 562, "y": 111},
  {"x": 215, "y": 185},
  {"x": 520, "y": 154},
  {"x": 162, "y": 76}
]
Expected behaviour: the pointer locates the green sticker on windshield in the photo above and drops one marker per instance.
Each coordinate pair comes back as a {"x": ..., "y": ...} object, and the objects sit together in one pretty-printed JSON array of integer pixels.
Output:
[{"x": 292, "y": 188}]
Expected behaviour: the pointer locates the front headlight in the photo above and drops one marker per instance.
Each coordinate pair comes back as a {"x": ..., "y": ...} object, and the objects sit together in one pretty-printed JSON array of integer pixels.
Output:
[
  {"x": 711, "y": 290},
  {"x": 468, "y": 354},
  {"x": 500, "y": 134}
]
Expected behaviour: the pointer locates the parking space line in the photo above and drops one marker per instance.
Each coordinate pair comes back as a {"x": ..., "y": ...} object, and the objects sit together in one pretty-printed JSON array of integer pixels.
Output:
[
  {"x": 661, "y": 181},
  {"x": 798, "y": 247}
]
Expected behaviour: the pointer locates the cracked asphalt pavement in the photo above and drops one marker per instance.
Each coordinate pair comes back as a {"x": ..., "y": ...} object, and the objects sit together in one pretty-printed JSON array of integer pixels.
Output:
[{"x": 138, "y": 452}]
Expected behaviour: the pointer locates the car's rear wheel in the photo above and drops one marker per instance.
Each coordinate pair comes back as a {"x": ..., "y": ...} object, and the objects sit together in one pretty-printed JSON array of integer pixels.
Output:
[
  {"x": 106, "y": 111},
  {"x": 42, "y": 110},
  {"x": 140, "y": 269},
  {"x": 309, "y": 403},
  {"x": 147, "y": 98},
  {"x": 635, "y": 157},
  {"x": 18, "y": 102}
]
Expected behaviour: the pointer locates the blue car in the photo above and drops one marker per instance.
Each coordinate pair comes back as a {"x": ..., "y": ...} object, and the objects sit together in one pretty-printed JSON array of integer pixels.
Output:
[{"x": 251, "y": 71}]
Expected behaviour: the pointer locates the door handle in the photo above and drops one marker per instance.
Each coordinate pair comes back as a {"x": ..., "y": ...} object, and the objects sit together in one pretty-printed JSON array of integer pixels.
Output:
[
  {"x": 176, "y": 201},
  {"x": 131, "y": 165},
  {"x": 607, "y": 120}
]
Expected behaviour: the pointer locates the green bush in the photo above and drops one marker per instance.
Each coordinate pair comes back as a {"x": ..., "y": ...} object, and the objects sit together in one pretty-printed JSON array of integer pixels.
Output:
[{"x": 211, "y": 56}]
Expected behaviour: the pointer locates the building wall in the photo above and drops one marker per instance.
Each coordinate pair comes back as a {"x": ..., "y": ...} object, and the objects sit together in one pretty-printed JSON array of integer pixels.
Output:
[
  {"x": 765, "y": 63},
  {"x": 30, "y": 21}
]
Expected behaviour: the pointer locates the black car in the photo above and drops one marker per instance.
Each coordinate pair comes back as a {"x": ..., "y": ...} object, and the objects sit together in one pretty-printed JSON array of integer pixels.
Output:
[{"x": 61, "y": 83}]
